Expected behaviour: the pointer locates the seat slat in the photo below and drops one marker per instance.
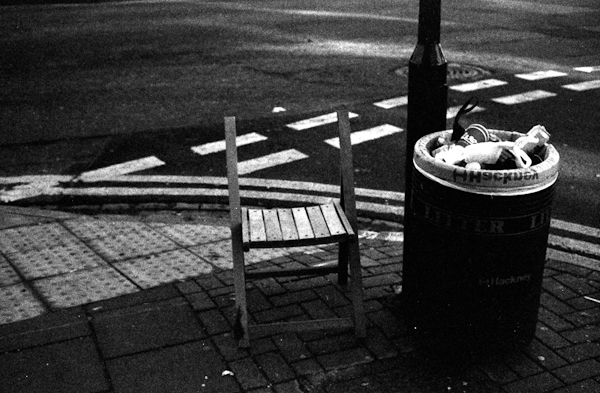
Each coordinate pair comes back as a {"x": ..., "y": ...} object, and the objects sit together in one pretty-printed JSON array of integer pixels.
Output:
[
  {"x": 344, "y": 219},
  {"x": 302, "y": 223},
  {"x": 332, "y": 219},
  {"x": 272, "y": 227},
  {"x": 288, "y": 227},
  {"x": 245, "y": 228},
  {"x": 317, "y": 221},
  {"x": 256, "y": 224}
]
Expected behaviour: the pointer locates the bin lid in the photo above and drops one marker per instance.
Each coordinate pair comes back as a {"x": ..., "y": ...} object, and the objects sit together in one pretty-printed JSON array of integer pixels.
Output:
[{"x": 485, "y": 181}]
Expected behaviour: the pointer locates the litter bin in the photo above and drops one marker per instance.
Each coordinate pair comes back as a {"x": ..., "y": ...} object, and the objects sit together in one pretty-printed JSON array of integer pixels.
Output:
[{"x": 479, "y": 241}]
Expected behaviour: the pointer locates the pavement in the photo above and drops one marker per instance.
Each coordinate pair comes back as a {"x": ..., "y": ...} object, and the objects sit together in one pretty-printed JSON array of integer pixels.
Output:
[{"x": 107, "y": 299}]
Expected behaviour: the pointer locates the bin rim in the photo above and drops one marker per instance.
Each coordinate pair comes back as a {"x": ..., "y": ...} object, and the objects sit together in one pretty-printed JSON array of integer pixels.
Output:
[{"x": 506, "y": 182}]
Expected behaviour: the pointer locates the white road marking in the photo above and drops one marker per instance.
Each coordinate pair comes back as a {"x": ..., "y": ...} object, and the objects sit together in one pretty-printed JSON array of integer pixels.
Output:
[
  {"x": 317, "y": 121},
  {"x": 392, "y": 102},
  {"x": 251, "y": 182},
  {"x": 534, "y": 76},
  {"x": 453, "y": 110},
  {"x": 583, "y": 86},
  {"x": 123, "y": 168},
  {"x": 524, "y": 97},
  {"x": 270, "y": 160},
  {"x": 588, "y": 69},
  {"x": 367, "y": 135},
  {"x": 575, "y": 228},
  {"x": 215, "y": 147},
  {"x": 484, "y": 84}
]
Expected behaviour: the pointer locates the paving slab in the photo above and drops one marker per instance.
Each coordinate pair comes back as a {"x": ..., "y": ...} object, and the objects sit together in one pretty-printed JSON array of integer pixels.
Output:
[
  {"x": 63, "y": 367},
  {"x": 189, "y": 368}
]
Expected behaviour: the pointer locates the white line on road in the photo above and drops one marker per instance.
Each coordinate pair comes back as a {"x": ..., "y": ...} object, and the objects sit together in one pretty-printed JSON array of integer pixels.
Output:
[
  {"x": 573, "y": 244},
  {"x": 123, "y": 168},
  {"x": 524, "y": 97},
  {"x": 392, "y": 102},
  {"x": 215, "y": 147},
  {"x": 317, "y": 121},
  {"x": 534, "y": 76},
  {"x": 583, "y": 86},
  {"x": 367, "y": 135},
  {"x": 587, "y": 69},
  {"x": 452, "y": 111},
  {"x": 484, "y": 84},
  {"x": 270, "y": 160},
  {"x": 575, "y": 228}
]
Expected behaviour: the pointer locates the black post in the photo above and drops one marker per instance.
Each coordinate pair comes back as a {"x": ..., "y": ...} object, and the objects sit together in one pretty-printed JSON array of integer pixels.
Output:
[{"x": 427, "y": 106}]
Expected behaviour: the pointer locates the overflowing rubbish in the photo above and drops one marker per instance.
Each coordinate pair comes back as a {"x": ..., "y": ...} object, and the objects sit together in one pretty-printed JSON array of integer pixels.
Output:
[{"x": 477, "y": 148}]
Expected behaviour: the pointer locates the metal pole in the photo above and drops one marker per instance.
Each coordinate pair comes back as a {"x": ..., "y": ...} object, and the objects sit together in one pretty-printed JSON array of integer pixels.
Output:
[{"x": 427, "y": 106}]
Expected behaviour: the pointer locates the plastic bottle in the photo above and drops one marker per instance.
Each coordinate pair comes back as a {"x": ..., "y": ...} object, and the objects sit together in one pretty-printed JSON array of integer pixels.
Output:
[{"x": 536, "y": 137}]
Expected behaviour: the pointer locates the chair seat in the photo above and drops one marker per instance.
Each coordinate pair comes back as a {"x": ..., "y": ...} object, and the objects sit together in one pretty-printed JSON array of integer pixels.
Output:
[{"x": 301, "y": 226}]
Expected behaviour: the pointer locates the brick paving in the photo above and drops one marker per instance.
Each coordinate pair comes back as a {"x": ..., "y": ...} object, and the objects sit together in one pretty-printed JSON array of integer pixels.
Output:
[{"x": 177, "y": 337}]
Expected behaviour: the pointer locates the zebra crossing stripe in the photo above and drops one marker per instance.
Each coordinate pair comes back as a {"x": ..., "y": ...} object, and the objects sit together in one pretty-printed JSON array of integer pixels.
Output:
[
  {"x": 214, "y": 147},
  {"x": 484, "y": 84},
  {"x": 317, "y": 121},
  {"x": 270, "y": 160},
  {"x": 534, "y": 76},
  {"x": 367, "y": 135},
  {"x": 392, "y": 102},
  {"x": 587, "y": 69},
  {"x": 583, "y": 86},
  {"x": 452, "y": 111},
  {"x": 123, "y": 168},
  {"x": 524, "y": 97}
]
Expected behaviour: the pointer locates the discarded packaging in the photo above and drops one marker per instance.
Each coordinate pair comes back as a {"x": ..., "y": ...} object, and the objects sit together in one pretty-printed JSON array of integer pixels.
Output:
[{"x": 477, "y": 148}]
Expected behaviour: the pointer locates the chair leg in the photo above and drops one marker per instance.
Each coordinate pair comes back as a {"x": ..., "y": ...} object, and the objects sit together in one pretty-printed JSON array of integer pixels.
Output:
[
  {"x": 240, "y": 328},
  {"x": 357, "y": 290},
  {"x": 343, "y": 251}
]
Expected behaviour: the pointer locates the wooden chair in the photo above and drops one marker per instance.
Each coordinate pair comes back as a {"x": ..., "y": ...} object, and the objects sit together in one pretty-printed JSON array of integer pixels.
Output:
[{"x": 333, "y": 222}]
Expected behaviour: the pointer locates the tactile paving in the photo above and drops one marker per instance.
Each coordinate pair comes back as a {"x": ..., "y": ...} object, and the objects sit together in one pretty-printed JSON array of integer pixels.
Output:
[
  {"x": 34, "y": 238},
  {"x": 17, "y": 302},
  {"x": 8, "y": 275},
  {"x": 95, "y": 228},
  {"x": 163, "y": 268},
  {"x": 84, "y": 286},
  {"x": 55, "y": 260},
  {"x": 133, "y": 244},
  {"x": 191, "y": 234}
]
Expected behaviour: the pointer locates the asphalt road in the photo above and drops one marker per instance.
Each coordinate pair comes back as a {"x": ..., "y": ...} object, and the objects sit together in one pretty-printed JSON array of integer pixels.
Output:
[{"x": 85, "y": 86}]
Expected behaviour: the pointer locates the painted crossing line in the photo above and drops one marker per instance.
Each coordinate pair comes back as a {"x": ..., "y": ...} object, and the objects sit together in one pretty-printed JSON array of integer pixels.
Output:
[
  {"x": 587, "y": 69},
  {"x": 123, "y": 168},
  {"x": 317, "y": 121},
  {"x": 538, "y": 75},
  {"x": 583, "y": 86},
  {"x": 392, "y": 102},
  {"x": 524, "y": 97},
  {"x": 270, "y": 160},
  {"x": 403, "y": 100},
  {"x": 483, "y": 84},
  {"x": 215, "y": 147},
  {"x": 367, "y": 135}
]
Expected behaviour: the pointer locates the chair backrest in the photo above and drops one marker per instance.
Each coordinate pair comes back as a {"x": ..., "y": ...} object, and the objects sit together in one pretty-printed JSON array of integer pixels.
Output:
[{"x": 347, "y": 194}]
